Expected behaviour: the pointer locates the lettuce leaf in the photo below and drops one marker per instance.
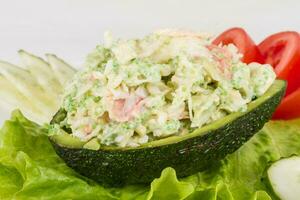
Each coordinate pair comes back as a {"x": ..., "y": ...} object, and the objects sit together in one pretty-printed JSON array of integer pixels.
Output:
[{"x": 30, "y": 169}]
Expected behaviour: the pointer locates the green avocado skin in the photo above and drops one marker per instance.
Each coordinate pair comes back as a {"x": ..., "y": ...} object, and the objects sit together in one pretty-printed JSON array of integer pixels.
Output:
[{"x": 132, "y": 166}]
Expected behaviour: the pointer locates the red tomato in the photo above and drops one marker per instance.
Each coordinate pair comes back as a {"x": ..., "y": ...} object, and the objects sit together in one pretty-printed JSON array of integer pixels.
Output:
[
  {"x": 243, "y": 42},
  {"x": 289, "y": 107},
  {"x": 282, "y": 51},
  {"x": 293, "y": 79}
]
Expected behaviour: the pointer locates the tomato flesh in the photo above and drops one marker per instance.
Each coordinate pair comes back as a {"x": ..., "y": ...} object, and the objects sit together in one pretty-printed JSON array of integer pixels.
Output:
[{"x": 289, "y": 107}]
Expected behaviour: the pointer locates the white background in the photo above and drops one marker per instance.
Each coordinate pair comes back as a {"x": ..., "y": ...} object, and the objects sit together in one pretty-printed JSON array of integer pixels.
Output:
[{"x": 71, "y": 28}]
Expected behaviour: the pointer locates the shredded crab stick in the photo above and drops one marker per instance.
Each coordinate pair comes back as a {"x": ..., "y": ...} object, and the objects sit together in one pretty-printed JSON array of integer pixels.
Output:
[
  {"x": 223, "y": 57},
  {"x": 124, "y": 110}
]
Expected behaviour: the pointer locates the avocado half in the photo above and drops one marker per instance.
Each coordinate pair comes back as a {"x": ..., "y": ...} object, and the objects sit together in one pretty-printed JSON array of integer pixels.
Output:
[{"x": 187, "y": 154}]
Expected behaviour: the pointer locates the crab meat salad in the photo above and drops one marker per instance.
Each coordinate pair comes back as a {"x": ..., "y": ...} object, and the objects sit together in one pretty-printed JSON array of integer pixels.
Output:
[{"x": 168, "y": 83}]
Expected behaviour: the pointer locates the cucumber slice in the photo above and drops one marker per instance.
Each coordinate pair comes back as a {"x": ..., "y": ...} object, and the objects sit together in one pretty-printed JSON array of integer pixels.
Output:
[
  {"x": 42, "y": 73},
  {"x": 11, "y": 98},
  {"x": 284, "y": 177},
  {"x": 35, "y": 90},
  {"x": 63, "y": 71},
  {"x": 28, "y": 86}
]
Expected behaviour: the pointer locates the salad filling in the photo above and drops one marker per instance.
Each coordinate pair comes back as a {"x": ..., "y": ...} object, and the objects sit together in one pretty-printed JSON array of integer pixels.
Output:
[{"x": 167, "y": 83}]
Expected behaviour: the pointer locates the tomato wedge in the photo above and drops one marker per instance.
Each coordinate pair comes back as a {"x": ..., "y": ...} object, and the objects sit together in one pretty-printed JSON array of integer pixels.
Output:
[
  {"x": 282, "y": 51},
  {"x": 243, "y": 42},
  {"x": 289, "y": 107}
]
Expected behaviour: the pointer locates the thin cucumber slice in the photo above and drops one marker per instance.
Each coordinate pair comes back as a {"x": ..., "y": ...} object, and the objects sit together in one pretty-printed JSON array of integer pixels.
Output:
[
  {"x": 35, "y": 90},
  {"x": 63, "y": 71},
  {"x": 284, "y": 177},
  {"x": 11, "y": 97},
  {"x": 42, "y": 72},
  {"x": 28, "y": 86}
]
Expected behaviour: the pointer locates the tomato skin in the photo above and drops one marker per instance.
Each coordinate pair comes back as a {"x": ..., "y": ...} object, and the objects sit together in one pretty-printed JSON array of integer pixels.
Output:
[
  {"x": 282, "y": 51},
  {"x": 243, "y": 42},
  {"x": 293, "y": 79},
  {"x": 289, "y": 107}
]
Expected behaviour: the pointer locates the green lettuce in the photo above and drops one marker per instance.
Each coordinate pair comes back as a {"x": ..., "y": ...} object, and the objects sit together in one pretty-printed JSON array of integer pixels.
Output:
[{"x": 30, "y": 169}]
